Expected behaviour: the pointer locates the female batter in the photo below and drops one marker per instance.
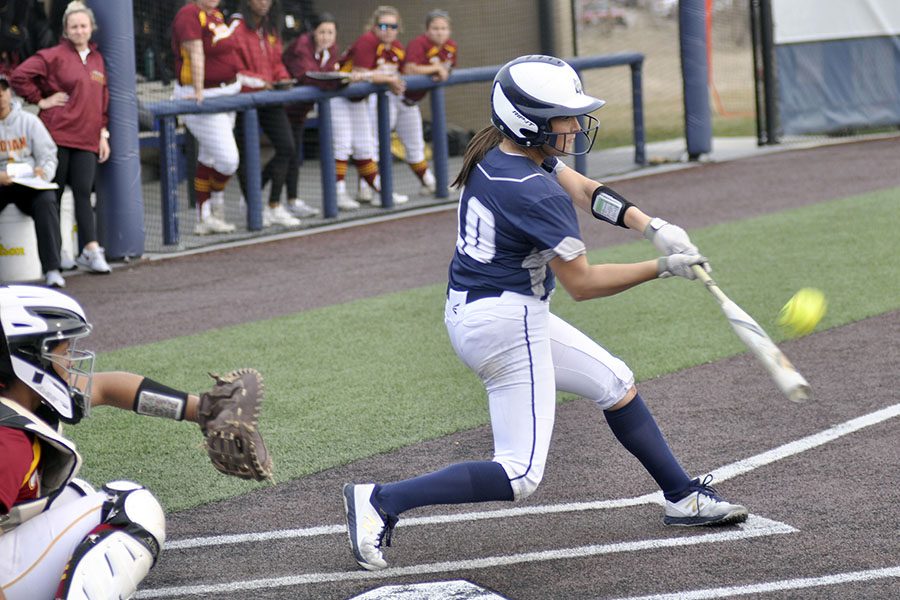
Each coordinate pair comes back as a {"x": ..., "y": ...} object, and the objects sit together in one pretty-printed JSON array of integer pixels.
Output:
[{"x": 516, "y": 219}]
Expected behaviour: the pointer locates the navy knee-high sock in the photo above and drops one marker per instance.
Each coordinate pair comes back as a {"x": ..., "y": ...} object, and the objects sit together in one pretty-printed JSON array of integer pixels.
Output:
[
  {"x": 636, "y": 429},
  {"x": 481, "y": 481}
]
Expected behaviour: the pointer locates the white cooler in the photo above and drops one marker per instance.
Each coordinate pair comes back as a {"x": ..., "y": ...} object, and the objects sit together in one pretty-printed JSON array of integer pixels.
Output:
[{"x": 19, "y": 260}]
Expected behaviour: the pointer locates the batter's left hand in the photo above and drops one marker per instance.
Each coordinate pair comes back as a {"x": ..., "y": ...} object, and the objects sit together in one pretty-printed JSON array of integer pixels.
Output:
[
  {"x": 678, "y": 265},
  {"x": 671, "y": 239}
]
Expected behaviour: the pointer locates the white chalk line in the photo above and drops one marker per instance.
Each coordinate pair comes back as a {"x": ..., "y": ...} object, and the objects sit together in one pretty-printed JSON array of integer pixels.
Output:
[
  {"x": 721, "y": 474},
  {"x": 755, "y": 526},
  {"x": 776, "y": 586}
]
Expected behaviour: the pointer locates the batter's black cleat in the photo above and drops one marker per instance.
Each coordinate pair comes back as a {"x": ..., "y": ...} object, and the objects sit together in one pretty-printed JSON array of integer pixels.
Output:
[
  {"x": 368, "y": 526},
  {"x": 703, "y": 506}
]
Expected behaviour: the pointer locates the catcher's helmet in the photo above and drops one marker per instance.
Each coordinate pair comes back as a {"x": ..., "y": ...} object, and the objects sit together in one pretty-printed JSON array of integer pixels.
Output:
[
  {"x": 530, "y": 90},
  {"x": 35, "y": 321}
]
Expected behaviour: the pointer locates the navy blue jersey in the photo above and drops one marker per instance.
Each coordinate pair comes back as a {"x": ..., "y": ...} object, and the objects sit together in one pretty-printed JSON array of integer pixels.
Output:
[{"x": 513, "y": 219}]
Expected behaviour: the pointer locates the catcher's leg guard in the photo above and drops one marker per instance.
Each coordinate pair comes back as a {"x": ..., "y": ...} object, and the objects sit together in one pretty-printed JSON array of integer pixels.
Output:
[
  {"x": 114, "y": 558},
  {"x": 81, "y": 486}
]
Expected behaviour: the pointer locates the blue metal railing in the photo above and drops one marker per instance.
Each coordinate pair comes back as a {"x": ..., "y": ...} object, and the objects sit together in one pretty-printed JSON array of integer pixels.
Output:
[{"x": 167, "y": 111}]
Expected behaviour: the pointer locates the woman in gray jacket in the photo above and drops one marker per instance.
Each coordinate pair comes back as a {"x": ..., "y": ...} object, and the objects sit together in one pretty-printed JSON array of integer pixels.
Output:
[{"x": 27, "y": 165}]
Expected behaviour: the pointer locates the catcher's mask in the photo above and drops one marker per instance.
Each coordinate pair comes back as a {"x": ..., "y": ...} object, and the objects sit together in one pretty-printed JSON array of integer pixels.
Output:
[
  {"x": 530, "y": 91},
  {"x": 40, "y": 333}
]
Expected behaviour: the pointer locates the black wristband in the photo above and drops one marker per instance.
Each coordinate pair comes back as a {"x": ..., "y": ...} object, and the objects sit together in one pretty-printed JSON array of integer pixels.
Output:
[
  {"x": 609, "y": 206},
  {"x": 158, "y": 400}
]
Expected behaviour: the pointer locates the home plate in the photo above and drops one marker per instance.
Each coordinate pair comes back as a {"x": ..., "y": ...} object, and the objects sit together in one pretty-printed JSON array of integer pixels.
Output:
[{"x": 436, "y": 590}]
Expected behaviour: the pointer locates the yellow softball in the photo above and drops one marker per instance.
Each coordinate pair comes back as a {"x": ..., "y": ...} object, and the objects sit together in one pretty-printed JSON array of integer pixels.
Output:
[{"x": 803, "y": 312}]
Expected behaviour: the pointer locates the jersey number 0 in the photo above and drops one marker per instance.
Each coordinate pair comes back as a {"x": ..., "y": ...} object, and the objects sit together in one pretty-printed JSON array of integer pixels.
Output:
[{"x": 477, "y": 241}]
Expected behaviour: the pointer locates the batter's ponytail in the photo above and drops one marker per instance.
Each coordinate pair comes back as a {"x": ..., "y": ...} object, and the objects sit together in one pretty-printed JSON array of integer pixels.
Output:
[{"x": 481, "y": 143}]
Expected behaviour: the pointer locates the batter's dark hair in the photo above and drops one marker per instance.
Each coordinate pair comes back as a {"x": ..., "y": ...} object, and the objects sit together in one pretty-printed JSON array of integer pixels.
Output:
[{"x": 480, "y": 144}]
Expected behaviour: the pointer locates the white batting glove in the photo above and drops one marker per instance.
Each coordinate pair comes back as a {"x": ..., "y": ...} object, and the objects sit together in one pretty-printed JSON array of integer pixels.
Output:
[
  {"x": 678, "y": 265},
  {"x": 671, "y": 239}
]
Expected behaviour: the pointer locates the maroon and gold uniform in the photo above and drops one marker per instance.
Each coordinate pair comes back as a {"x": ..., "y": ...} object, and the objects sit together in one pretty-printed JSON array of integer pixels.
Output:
[
  {"x": 219, "y": 47},
  {"x": 368, "y": 52},
  {"x": 422, "y": 51},
  {"x": 21, "y": 482},
  {"x": 218, "y": 156}
]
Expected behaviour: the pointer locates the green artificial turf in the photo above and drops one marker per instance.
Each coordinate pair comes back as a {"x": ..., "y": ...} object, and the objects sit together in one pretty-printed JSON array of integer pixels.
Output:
[{"x": 357, "y": 379}]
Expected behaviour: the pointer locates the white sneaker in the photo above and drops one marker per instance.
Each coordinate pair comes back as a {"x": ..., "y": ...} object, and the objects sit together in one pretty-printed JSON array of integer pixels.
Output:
[
  {"x": 344, "y": 201},
  {"x": 217, "y": 206},
  {"x": 280, "y": 216},
  {"x": 54, "y": 279},
  {"x": 211, "y": 225},
  {"x": 365, "y": 193},
  {"x": 66, "y": 262},
  {"x": 93, "y": 260},
  {"x": 367, "y": 526},
  {"x": 398, "y": 199},
  {"x": 703, "y": 506},
  {"x": 301, "y": 209},
  {"x": 429, "y": 183},
  {"x": 266, "y": 216}
]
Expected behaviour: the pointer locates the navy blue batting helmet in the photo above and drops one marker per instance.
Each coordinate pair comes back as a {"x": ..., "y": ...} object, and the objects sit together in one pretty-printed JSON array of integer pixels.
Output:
[{"x": 529, "y": 91}]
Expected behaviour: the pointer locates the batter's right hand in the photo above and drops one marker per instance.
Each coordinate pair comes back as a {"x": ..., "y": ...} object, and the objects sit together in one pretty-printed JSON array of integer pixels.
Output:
[{"x": 679, "y": 265}]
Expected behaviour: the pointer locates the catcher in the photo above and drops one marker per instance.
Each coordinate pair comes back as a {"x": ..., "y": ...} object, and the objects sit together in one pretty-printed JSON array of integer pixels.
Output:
[{"x": 59, "y": 538}]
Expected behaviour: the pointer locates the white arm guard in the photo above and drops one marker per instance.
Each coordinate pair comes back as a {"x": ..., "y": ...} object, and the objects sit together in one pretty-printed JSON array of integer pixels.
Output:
[{"x": 114, "y": 558}]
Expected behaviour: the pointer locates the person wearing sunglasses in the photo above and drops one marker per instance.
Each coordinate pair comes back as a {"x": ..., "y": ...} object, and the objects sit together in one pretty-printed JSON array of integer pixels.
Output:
[{"x": 377, "y": 56}]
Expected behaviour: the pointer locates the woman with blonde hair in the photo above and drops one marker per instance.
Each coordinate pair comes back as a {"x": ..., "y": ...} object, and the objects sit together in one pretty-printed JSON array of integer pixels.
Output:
[
  {"x": 375, "y": 56},
  {"x": 68, "y": 84}
]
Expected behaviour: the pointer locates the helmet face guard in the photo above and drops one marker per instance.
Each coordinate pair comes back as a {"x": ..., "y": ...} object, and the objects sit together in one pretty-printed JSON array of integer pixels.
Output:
[
  {"x": 73, "y": 366},
  {"x": 530, "y": 91},
  {"x": 589, "y": 132}
]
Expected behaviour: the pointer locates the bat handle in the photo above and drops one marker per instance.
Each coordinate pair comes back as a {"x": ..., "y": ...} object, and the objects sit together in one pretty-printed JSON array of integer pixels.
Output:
[
  {"x": 710, "y": 283},
  {"x": 702, "y": 275}
]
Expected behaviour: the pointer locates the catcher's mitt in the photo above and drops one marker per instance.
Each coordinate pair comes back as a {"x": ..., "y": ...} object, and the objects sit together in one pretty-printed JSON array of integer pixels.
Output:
[{"x": 228, "y": 416}]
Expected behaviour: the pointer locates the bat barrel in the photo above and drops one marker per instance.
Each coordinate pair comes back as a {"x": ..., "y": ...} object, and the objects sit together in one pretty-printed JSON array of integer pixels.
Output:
[{"x": 786, "y": 377}]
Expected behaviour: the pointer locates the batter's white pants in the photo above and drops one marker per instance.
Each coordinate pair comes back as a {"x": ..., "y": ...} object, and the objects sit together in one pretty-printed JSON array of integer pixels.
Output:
[
  {"x": 406, "y": 121},
  {"x": 34, "y": 554},
  {"x": 352, "y": 127},
  {"x": 523, "y": 355},
  {"x": 216, "y": 146}
]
